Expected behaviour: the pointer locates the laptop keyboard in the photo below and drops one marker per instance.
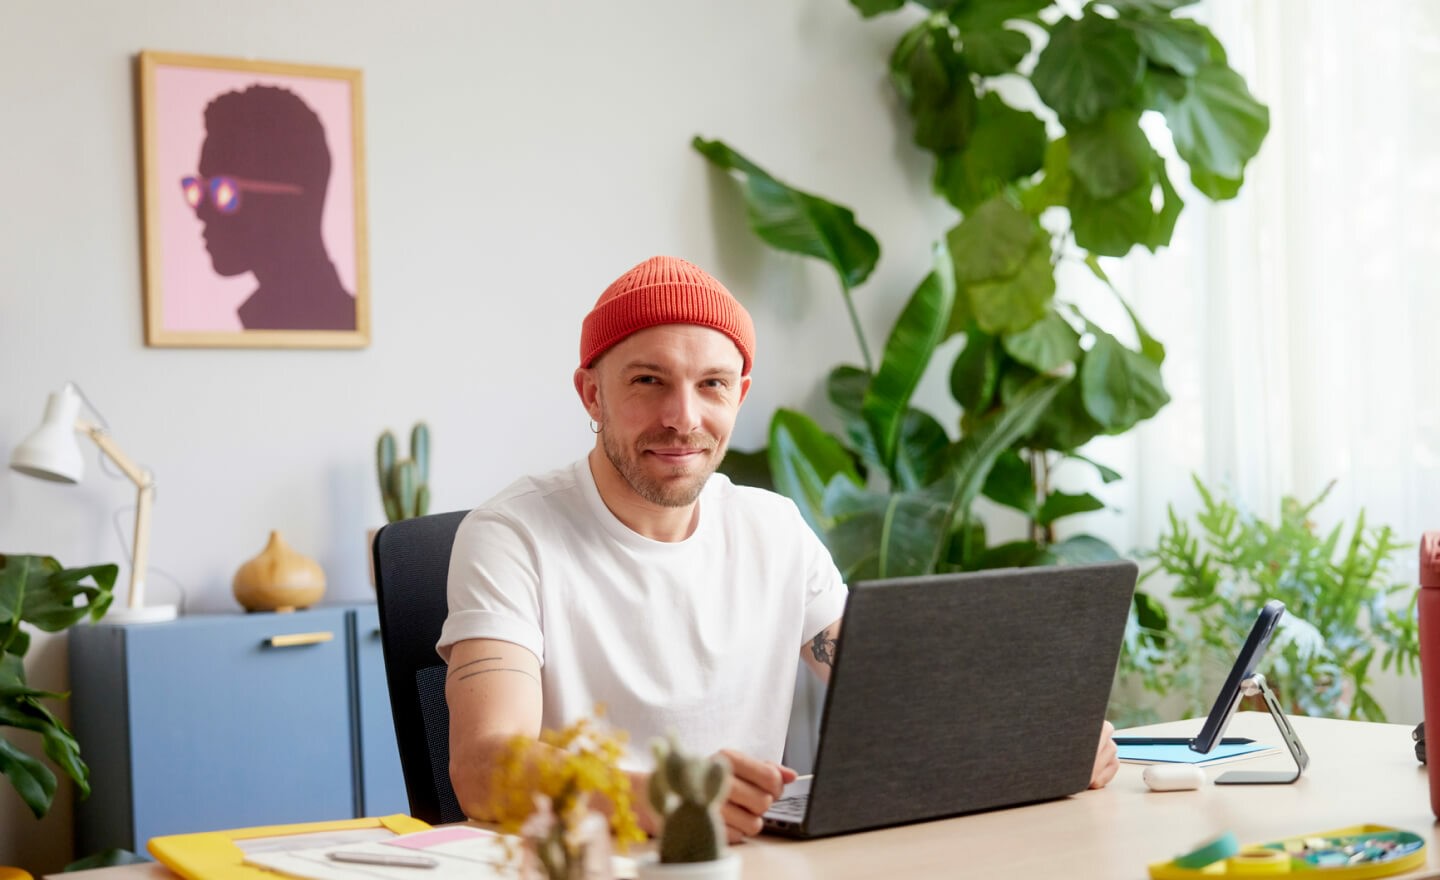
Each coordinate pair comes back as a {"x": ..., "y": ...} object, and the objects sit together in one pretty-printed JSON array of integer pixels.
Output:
[{"x": 790, "y": 808}]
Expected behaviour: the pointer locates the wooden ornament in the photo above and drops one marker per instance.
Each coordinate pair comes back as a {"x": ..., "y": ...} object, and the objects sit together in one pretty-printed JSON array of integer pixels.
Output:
[{"x": 279, "y": 579}]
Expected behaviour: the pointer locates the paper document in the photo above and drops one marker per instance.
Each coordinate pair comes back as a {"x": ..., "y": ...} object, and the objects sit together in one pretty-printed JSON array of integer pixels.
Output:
[
  {"x": 459, "y": 853},
  {"x": 1180, "y": 753}
]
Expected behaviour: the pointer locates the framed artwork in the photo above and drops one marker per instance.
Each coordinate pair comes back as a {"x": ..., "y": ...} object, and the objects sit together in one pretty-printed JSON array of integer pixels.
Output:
[{"x": 252, "y": 177}]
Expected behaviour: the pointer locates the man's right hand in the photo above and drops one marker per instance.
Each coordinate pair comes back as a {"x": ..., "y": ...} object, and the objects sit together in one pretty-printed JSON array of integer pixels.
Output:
[{"x": 754, "y": 786}]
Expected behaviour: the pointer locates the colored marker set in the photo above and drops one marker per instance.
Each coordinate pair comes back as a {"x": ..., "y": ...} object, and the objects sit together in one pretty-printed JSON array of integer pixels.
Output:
[{"x": 1353, "y": 853}]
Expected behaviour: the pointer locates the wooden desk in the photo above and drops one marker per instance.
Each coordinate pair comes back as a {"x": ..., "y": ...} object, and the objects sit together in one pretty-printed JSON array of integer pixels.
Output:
[{"x": 1359, "y": 773}]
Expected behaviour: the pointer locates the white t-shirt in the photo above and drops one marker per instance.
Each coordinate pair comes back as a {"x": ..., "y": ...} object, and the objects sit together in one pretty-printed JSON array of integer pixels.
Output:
[{"x": 699, "y": 636}]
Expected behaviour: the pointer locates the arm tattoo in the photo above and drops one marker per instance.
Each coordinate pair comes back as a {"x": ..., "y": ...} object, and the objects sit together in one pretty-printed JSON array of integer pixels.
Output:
[
  {"x": 472, "y": 663},
  {"x": 823, "y": 648}
]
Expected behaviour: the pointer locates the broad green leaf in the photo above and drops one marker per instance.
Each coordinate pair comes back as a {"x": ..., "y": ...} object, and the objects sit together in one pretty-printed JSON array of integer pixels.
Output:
[
  {"x": 1007, "y": 145},
  {"x": 798, "y": 222},
  {"x": 1044, "y": 345},
  {"x": 933, "y": 78},
  {"x": 993, "y": 13},
  {"x": 748, "y": 468},
  {"x": 1015, "y": 554},
  {"x": 884, "y": 535},
  {"x": 1082, "y": 550},
  {"x": 1217, "y": 125},
  {"x": 1107, "y": 475},
  {"x": 1112, "y": 156},
  {"x": 921, "y": 457},
  {"x": 846, "y": 387},
  {"x": 1218, "y": 188},
  {"x": 922, "y": 325},
  {"x": 1170, "y": 207},
  {"x": 1053, "y": 188},
  {"x": 1111, "y": 227},
  {"x": 1061, "y": 504},
  {"x": 1010, "y": 483},
  {"x": 872, "y": 8},
  {"x": 975, "y": 377},
  {"x": 1177, "y": 43},
  {"x": 994, "y": 51},
  {"x": 803, "y": 459},
  {"x": 1151, "y": 612},
  {"x": 51, "y": 602},
  {"x": 1119, "y": 387},
  {"x": 1003, "y": 305},
  {"x": 1066, "y": 425},
  {"x": 993, "y": 241},
  {"x": 33, "y": 781},
  {"x": 1089, "y": 66},
  {"x": 977, "y": 451}
]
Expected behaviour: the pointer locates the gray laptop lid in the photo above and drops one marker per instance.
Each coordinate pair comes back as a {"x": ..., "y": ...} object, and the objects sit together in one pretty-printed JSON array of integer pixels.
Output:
[{"x": 964, "y": 692}]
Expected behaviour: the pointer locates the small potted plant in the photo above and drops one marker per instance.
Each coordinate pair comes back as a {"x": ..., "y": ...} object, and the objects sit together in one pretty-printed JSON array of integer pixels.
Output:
[
  {"x": 404, "y": 482},
  {"x": 686, "y": 793},
  {"x": 544, "y": 796}
]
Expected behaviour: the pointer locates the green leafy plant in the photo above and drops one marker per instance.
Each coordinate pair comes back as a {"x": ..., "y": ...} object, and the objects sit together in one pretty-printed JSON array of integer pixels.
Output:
[
  {"x": 404, "y": 483},
  {"x": 686, "y": 792},
  {"x": 1036, "y": 378},
  {"x": 37, "y": 591},
  {"x": 1338, "y": 596}
]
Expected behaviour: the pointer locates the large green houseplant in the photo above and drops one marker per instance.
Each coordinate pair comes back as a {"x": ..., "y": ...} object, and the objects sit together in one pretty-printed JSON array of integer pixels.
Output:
[
  {"x": 37, "y": 591},
  {"x": 1036, "y": 379}
]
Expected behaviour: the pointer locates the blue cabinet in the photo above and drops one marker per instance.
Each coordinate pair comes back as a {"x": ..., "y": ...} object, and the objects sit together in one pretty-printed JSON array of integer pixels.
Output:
[{"x": 226, "y": 721}]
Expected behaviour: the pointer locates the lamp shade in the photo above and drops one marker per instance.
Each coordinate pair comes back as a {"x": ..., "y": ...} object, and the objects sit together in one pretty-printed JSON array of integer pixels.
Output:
[{"x": 51, "y": 453}]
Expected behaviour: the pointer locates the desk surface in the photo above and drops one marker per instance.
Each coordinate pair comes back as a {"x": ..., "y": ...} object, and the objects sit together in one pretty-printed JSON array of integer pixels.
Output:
[{"x": 1359, "y": 773}]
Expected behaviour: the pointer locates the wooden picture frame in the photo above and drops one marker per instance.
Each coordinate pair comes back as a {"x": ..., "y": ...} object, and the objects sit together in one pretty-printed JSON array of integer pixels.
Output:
[{"x": 253, "y": 183}]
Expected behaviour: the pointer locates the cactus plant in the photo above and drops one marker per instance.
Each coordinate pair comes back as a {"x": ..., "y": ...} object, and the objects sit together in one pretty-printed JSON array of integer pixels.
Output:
[
  {"x": 404, "y": 483},
  {"x": 686, "y": 793}
]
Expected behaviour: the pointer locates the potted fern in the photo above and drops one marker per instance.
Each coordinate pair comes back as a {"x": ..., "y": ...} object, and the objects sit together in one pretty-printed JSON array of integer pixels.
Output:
[{"x": 686, "y": 793}]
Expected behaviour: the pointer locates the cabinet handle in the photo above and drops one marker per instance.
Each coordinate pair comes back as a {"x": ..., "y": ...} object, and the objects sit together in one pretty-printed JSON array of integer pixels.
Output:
[{"x": 290, "y": 640}]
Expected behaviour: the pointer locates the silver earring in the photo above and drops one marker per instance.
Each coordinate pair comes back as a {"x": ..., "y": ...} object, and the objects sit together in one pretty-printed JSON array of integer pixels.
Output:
[{"x": 594, "y": 427}]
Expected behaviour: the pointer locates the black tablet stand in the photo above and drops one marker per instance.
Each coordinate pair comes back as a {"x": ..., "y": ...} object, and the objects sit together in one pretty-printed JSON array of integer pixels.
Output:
[{"x": 1251, "y": 686}]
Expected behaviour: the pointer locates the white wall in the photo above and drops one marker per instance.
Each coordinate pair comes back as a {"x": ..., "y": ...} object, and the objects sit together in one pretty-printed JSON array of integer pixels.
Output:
[{"x": 519, "y": 157}]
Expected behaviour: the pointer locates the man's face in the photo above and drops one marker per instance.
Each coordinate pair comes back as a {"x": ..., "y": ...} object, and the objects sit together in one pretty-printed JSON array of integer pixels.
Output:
[{"x": 666, "y": 399}]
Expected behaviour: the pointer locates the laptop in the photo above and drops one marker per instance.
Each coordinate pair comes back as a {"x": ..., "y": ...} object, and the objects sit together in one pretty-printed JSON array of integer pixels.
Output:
[{"x": 957, "y": 693}]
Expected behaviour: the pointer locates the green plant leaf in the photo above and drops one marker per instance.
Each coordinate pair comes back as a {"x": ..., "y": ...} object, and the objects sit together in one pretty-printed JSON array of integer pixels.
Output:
[
  {"x": 748, "y": 468},
  {"x": 795, "y": 221},
  {"x": 1061, "y": 504},
  {"x": 803, "y": 459},
  {"x": 1008, "y": 304},
  {"x": 993, "y": 13},
  {"x": 932, "y": 77},
  {"x": 1044, "y": 345},
  {"x": 976, "y": 453},
  {"x": 846, "y": 387},
  {"x": 975, "y": 376},
  {"x": 1213, "y": 185},
  {"x": 1066, "y": 425},
  {"x": 1111, "y": 227},
  {"x": 884, "y": 535},
  {"x": 921, "y": 327},
  {"x": 1089, "y": 66},
  {"x": 1053, "y": 188},
  {"x": 995, "y": 51},
  {"x": 1176, "y": 43},
  {"x": 1120, "y": 387},
  {"x": 1112, "y": 156},
  {"x": 1148, "y": 7},
  {"x": 1082, "y": 550},
  {"x": 1015, "y": 554},
  {"x": 33, "y": 781},
  {"x": 37, "y": 590},
  {"x": 921, "y": 459},
  {"x": 992, "y": 242},
  {"x": 1170, "y": 207},
  {"x": 1006, "y": 145},
  {"x": 1107, "y": 475},
  {"x": 1010, "y": 483},
  {"x": 872, "y": 8},
  {"x": 1217, "y": 125}
]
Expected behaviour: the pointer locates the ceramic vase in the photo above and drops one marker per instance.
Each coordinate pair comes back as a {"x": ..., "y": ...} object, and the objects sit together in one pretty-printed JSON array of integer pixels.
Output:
[{"x": 279, "y": 579}]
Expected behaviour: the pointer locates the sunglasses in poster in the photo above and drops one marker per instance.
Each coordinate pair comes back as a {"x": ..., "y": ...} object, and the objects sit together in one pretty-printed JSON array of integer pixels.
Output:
[{"x": 224, "y": 190}]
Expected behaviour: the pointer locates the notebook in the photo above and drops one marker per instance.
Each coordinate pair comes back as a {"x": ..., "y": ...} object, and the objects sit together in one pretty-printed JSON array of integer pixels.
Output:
[{"x": 957, "y": 693}]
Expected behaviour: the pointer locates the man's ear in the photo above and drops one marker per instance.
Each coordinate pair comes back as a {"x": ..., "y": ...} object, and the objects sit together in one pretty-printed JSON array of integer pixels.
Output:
[
  {"x": 744, "y": 390},
  {"x": 587, "y": 385}
]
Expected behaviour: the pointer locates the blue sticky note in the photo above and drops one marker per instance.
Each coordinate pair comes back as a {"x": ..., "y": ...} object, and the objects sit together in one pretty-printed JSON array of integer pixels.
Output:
[{"x": 1179, "y": 753}]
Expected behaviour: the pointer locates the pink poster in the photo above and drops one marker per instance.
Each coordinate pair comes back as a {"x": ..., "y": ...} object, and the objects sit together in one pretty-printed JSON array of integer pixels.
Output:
[{"x": 254, "y": 204}]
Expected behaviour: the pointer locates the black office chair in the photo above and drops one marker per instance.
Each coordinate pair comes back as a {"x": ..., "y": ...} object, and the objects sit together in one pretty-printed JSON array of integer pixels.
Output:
[{"x": 412, "y": 560}]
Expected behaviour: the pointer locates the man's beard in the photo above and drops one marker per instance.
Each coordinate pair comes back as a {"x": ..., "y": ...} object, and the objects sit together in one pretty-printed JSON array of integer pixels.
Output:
[{"x": 670, "y": 493}]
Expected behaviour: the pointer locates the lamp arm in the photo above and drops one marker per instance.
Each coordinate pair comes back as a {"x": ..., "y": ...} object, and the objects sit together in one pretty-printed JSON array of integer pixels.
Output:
[{"x": 145, "y": 482}]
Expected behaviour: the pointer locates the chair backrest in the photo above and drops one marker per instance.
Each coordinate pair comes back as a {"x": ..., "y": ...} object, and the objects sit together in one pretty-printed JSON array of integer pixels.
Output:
[{"x": 412, "y": 561}]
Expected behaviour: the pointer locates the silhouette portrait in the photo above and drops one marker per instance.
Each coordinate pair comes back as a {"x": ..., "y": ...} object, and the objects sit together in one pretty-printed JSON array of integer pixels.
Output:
[{"x": 260, "y": 234}]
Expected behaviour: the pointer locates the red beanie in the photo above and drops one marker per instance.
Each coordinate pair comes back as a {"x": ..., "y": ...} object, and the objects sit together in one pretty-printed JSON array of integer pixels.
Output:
[{"x": 665, "y": 290}]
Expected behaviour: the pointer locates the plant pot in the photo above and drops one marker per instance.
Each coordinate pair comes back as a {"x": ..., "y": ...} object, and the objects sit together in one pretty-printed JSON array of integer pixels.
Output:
[{"x": 727, "y": 867}]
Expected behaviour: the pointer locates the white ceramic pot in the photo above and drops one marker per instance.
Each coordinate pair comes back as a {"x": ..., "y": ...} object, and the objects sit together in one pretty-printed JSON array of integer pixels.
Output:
[{"x": 727, "y": 867}]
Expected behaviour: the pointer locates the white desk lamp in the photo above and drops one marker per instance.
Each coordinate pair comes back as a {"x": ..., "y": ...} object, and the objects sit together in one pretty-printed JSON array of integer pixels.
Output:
[{"x": 51, "y": 453}]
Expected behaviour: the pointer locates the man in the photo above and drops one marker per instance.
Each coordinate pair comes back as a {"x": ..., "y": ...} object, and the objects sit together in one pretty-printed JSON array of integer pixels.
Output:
[{"x": 634, "y": 579}]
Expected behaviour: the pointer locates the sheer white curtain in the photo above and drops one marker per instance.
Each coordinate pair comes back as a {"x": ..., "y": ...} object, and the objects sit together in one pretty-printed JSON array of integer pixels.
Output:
[{"x": 1303, "y": 318}]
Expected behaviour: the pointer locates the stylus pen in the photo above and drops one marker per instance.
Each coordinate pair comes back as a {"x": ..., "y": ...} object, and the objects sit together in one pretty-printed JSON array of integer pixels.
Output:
[{"x": 389, "y": 861}]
